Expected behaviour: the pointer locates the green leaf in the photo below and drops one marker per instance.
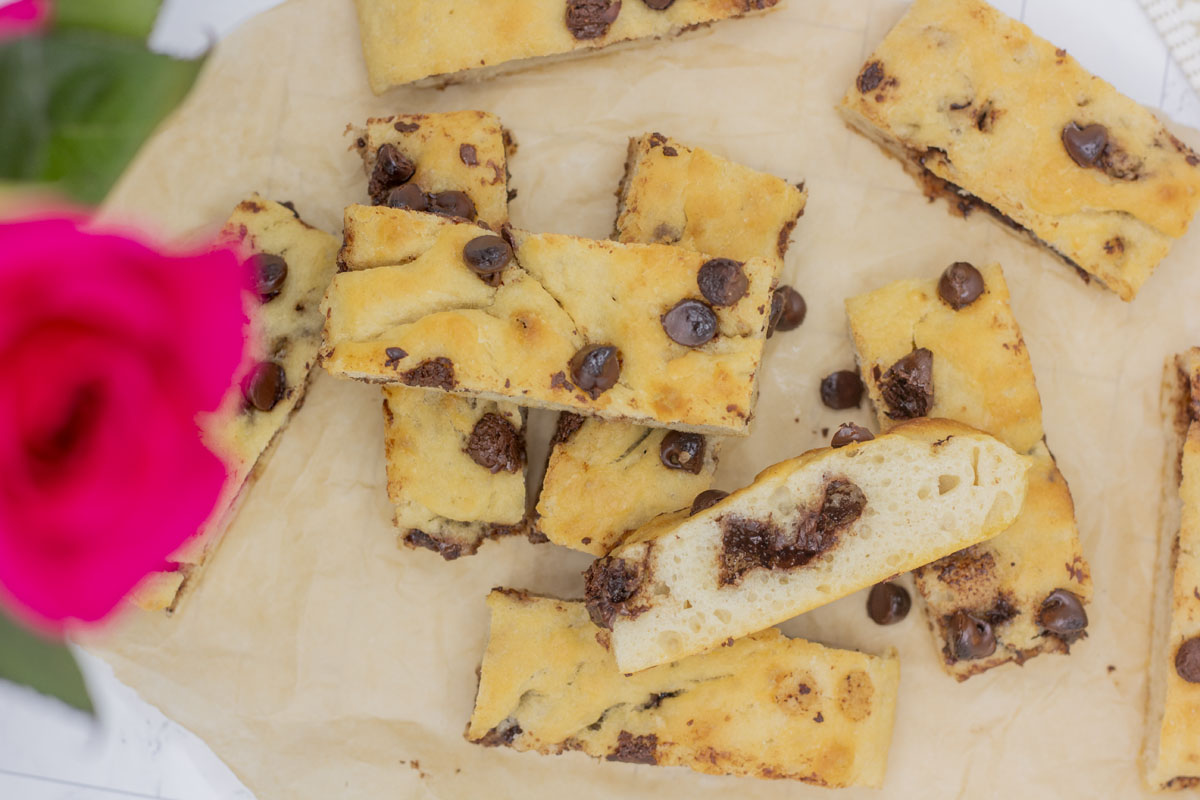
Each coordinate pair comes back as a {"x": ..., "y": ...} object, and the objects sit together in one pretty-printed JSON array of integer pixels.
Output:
[
  {"x": 131, "y": 18},
  {"x": 75, "y": 106},
  {"x": 47, "y": 666}
]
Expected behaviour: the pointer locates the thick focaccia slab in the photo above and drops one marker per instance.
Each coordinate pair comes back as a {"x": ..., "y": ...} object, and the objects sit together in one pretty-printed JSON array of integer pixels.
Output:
[
  {"x": 286, "y": 336},
  {"x": 765, "y": 706},
  {"x": 455, "y": 151},
  {"x": 991, "y": 116},
  {"x": 605, "y": 479},
  {"x": 804, "y": 533},
  {"x": 1172, "y": 751},
  {"x": 439, "y": 42},
  {"x": 985, "y": 604},
  {"x": 674, "y": 194},
  {"x": 529, "y": 332}
]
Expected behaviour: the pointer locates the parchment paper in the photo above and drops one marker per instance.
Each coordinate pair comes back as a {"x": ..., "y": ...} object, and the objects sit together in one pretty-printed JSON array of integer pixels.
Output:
[{"x": 322, "y": 661}]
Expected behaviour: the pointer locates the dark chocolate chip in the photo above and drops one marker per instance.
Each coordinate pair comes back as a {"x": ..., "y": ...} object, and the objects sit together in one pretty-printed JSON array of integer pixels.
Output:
[
  {"x": 468, "y": 155},
  {"x": 590, "y": 19},
  {"x": 496, "y": 445},
  {"x": 670, "y": 152},
  {"x": 269, "y": 274},
  {"x": 1085, "y": 145},
  {"x": 609, "y": 583},
  {"x": 635, "y": 749},
  {"x": 683, "y": 451},
  {"x": 436, "y": 373},
  {"x": 394, "y": 356},
  {"x": 407, "y": 127},
  {"x": 407, "y": 196},
  {"x": 392, "y": 168},
  {"x": 290, "y": 206},
  {"x": 566, "y": 427},
  {"x": 265, "y": 385},
  {"x": 659, "y": 5},
  {"x": 487, "y": 255},
  {"x": 1187, "y": 660},
  {"x": 722, "y": 281},
  {"x": 792, "y": 308},
  {"x": 690, "y": 323},
  {"x": 960, "y": 285},
  {"x": 907, "y": 386},
  {"x": 842, "y": 389},
  {"x": 1062, "y": 614},
  {"x": 849, "y": 433},
  {"x": 870, "y": 78},
  {"x": 969, "y": 637},
  {"x": 888, "y": 603},
  {"x": 707, "y": 499},
  {"x": 595, "y": 368},
  {"x": 452, "y": 204}
]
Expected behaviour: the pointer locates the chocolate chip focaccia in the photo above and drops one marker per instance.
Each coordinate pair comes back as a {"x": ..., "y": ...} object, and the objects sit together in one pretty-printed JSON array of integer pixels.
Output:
[
  {"x": 455, "y": 465},
  {"x": 549, "y": 321},
  {"x": 606, "y": 478},
  {"x": 764, "y": 706},
  {"x": 950, "y": 347},
  {"x": 804, "y": 533},
  {"x": 293, "y": 263},
  {"x": 993, "y": 117},
  {"x": 1172, "y": 751},
  {"x": 454, "y": 163},
  {"x": 439, "y": 42}
]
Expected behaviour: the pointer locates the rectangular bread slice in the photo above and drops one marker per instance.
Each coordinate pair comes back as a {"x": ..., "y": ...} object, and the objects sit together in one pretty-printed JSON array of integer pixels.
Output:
[
  {"x": 765, "y": 706},
  {"x": 980, "y": 375},
  {"x": 605, "y": 478},
  {"x": 286, "y": 333},
  {"x": 439, "y": 42},
  {"x": 457, "y": 151},
  {"x": 455, "y": 465},
  {"x": 1171, "y": 756},
  {"x": 804, "y": 533},
  {"x": 568, "y": 323},
  {"x": 456, "y": 469},
  {"x": 991, "y": 116}
]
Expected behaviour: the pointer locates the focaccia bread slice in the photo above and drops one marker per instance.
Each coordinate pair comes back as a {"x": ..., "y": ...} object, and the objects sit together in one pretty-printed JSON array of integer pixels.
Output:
[
  {"x": 765, "y": 706},
  {"x": 674, "y": 194},
  {"x": 1171, "y": 756},
  {"x": 991, "y": 116},
  {"x": 605, "y": 479},
  {"x": 294, "y": 263},
  {"x": 428, "y": 162},
  {"x": 557, "y": 322},
  {"x": 806, "y": 532},
  {"x": 440, "y": 42},
  {"x": 1025, "y": 591},
  {"x": 456, "y": 469}
]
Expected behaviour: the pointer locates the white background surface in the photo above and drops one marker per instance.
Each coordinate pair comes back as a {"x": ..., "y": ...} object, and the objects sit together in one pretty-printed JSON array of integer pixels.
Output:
[{"x": 50, "y": 753}]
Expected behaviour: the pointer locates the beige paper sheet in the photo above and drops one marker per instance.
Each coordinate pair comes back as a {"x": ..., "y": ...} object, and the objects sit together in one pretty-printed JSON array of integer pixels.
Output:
[{"x": 322, "y": 661}]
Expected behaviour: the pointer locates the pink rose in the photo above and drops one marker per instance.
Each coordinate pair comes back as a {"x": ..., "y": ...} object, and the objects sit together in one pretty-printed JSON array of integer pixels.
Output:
[
  {"x": 108, "y": 351},
  {"x": 23, "y": 17}
]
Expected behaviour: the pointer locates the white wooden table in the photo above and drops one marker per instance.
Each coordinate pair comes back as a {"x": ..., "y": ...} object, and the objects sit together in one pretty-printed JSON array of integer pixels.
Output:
[{"x": 50, "y": 753}]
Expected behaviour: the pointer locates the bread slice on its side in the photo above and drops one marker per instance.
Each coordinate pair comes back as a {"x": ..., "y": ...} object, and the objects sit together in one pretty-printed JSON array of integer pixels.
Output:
[
  {"x": 1171, "y": 754},
  {"x": 766, "y": 706},
  {"x": 806, "y": 532}
]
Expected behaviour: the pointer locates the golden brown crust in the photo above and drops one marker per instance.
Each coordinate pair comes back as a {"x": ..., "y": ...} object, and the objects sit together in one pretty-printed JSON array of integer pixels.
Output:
[
  {"x": 548, "y": 685},
  {"x": 973, "y": 97}
]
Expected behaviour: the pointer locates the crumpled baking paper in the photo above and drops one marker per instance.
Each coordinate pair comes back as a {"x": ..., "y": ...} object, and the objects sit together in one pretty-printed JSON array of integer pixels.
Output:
[{"x": 320, "y": 660}]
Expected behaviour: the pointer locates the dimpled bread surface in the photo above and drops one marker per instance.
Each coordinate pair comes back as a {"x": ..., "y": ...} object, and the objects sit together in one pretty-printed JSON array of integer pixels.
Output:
[
  {"x": 286, "y": 330},
  {"x": 974, "y": 97},
  {"x": 411, "y": 40},
  {"x": 929, "y": 488},
  {"x": 766, "y": 706},
  {"x": 516, "y": 340}
]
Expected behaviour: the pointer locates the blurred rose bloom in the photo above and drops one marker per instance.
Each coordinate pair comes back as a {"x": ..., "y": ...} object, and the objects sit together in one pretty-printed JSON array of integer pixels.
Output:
[
  {"x": 23, "y": 17},
  {"x": 110, "y": 350}
]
